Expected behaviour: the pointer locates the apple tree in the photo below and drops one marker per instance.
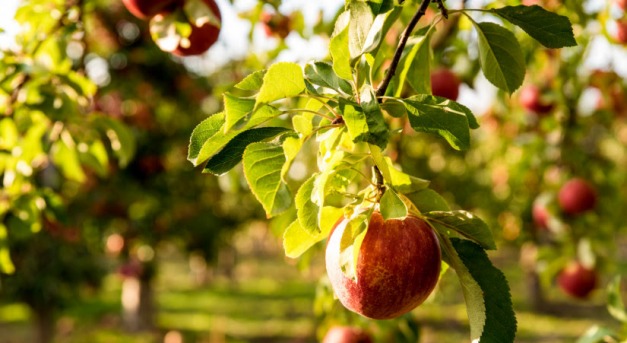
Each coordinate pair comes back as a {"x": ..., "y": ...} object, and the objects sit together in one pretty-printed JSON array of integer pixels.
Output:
[{"x": 345, "y": 113}]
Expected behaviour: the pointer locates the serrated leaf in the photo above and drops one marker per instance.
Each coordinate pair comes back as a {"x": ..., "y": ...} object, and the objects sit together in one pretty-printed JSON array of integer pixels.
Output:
[
  {"x": 291, "y": 148},
  {"x": 282, "y": 80},
  {"x": 322, "y": 74},
  {"x": 378, "y": 131},
  {"x": 416, "y": 66},
  {"x": 306, "y": 210},
  {"x": 232, "y": 152},
  {"x": 252, "y": 82},
  {"x": 427, "y": 200},
  {"x": 361, "y": 19},
  {"x": 297, "y": 240},
  {"x": 262, "y": 168},
  {"x": 350, "y": 243},
  {"x": 550, "y": 29},
  {"x": 208, "y": 138},
  {"x": 379, "y": 28},
  {"x": 464, "y": 223},
  {"x": 500, "y": 56},
  {"x": 338, "y": 47},
  {"x": 236, "y": 109},
  {"x": 497, "y": 323},
  {"x": 392, "y": 207},
  {"x": 443, "y": 117}
]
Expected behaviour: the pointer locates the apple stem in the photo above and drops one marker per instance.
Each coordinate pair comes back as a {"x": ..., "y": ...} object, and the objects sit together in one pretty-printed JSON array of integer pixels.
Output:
[
  {"x": 379, "y": 182},
  {"x": 401, "y": 46}
]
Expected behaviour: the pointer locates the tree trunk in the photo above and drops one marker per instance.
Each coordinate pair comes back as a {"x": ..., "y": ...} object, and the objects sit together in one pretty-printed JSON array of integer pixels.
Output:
[
  {"x": 138, "y": 304},
  {"x": 44, "y": 325}
]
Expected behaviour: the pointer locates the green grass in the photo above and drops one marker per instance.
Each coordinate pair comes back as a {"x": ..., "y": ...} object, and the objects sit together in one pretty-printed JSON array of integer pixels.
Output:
[{"x": 269, "y": 300}]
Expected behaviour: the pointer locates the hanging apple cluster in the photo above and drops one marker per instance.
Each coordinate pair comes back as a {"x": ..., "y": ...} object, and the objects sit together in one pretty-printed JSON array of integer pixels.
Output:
[
  {"x": 181, "y": 27},
  {"x": 388, "y": 233}
]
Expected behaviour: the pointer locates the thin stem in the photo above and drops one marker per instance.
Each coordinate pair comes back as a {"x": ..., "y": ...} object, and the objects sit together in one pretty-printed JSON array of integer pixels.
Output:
[
  {"x": 324, "y": 103},
  {"x": 401, "y": 46}
]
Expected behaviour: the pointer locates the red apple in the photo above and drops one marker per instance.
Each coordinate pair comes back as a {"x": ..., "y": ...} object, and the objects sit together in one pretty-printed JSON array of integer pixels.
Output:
[
  {"x": 576, "y": 280},
  {"x": 146, "y": 9},
  {"x": 531, "y": 99},
  {"x": 346, "y": 334},
  {"x": 622, "y": 4},
  {"x": 397, "y": 268},
  {"x": 276, "y": 24},
  {"x": 203, "y": 37},
  {"x": 620, "y": 34},
  {"x": 577, "y": 196},
  {"x": 445, "y": 83},
  {"x": 540, "y": 215}
]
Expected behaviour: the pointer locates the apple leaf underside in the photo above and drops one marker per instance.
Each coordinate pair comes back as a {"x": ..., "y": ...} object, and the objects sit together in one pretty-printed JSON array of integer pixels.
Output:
[{"x": 499, "y": 320}]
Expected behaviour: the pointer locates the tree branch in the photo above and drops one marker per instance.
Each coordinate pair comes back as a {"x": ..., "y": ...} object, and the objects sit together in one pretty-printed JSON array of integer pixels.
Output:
[{"x": 401, "y": 46}]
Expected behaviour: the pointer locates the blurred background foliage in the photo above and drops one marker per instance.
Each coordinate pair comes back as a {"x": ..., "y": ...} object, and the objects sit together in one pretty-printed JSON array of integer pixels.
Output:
[{"x": 108, "y": 234}]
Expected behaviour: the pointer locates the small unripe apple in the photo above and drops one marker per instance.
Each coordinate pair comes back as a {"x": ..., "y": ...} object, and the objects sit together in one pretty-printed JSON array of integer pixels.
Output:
[
  {"x": 276, "y": 24},
  {"x": 531, "y": 99},
  {"x": 577, "y": 196},
  {"x": 576, "y": 280},
  {"x": 146, "y": 9},
  {"x": 397, "y": 268},
  {"x": 445, "y": 83},
  {"x": 346, "y": 334}
]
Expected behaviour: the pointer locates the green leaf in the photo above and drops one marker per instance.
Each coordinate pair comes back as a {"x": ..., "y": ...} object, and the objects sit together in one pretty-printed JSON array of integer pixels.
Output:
[
  {"x": 615, "y": 304},
  {"x": 550, "y": 29},
  {"x": 232, "y": 152},
  {"x": 490, "y": 310},
  {"x": 443, "y": 117},
  {"x": 65, "y": 156},
  {"x": 427, "y": 200},
  {"x": 361, "y": 19},
  {"x": 598, "y": 334},
  {"x": 297, "y": 240},
  {"x": 338, "y": 47},
  {"x": 6, "y": 265},
  {"x": 262, "y": 168},
  {"x": 322, "y": 74},
  {"x": 306, "y": 210},
  {"x": 464, "y": 223},
  {"x": 392, "y": 207},
  {"x": 236, "y": 109},
  {"x": 252, "y": 82},
  {"x": 416, "y": 66},
  {"x": 291, "y": 148},
  {"x": 379, "y": 28},
  {"x": 500, "y": 56},
  {"x": 394, "y": 108},
  {"x": 282, "y": 80},
  {"x": 404, "y": 183},
  {"x": 350, "y": 243},
  {"x": 365, "y": 124},
  {"x": 208, "y": 138}
]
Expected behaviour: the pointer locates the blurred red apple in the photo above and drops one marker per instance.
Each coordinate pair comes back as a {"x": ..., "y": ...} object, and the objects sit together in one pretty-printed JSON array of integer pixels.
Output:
[
  {"x": 577, "y": 196},
  {"x": 620, "y": 33},
  {"x": 346, "y": 334},
  {"x": 531, "y": 99},
  {"x": 397, "y": 268},
  {"x": 621, "y": 3},
  {"x": 276, "y": 24},
  {"x": 576, "y": 280},
  {"x": 203, "y": 37},
  {"x": 445, "y": 83},
  {"x": 146, "y": 9},
  {"x": 540, "y": 215}
]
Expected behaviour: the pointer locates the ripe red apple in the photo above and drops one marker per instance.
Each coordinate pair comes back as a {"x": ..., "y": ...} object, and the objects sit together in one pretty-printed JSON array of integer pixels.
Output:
[
  {"x": 445, "y": 83},
  {"x": 276, "y": 24},
  {"x": 203, "y": 37},
  {"x": 531, "y": 99},
  {"x": 146, "y": 9},
  {"x": 346, "y": 334},
  {"x": 577, "y": 196},
  {"x": 576, "y": 280},
  {"x": 397, "y": 268},
  {"x": 620, "y": 33},
  {"x": 622, "y": 4}
]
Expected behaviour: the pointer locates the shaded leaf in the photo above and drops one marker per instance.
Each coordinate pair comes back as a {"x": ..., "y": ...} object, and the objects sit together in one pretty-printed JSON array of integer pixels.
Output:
[
  {"x": 464, "y": 223},
  {"x": 392, "y": 207},
  {"x": 322, "y": 74},
  {"x": 550, "y": 29}
]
